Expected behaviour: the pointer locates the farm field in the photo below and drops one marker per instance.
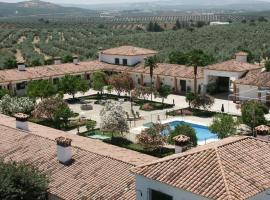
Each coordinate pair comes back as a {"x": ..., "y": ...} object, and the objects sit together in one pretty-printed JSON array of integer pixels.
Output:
[{"x": 37, "y": 41}]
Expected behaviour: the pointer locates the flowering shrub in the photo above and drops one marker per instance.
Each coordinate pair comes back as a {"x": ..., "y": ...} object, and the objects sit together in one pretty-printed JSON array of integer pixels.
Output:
[
  {"x": 151, "y": 138},
  {"x": 113, "y": 118},
  {"x": 47, "y": 107},
  {"x": 11, "y": 105}
]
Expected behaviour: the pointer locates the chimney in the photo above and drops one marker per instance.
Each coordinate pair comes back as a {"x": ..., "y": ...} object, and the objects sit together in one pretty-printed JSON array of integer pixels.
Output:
[
  {"x": 181, "y": 142},
  {"x": 21, "y": 66},
  {"x": 57, "y": 60},
  {"x": 21, "y": 121},
  {"x": 75, "y": 60},
  {"x": 241, "y": 56},
  {"x": 100, "y": 52},
  {"x": 64, "y": 152}
]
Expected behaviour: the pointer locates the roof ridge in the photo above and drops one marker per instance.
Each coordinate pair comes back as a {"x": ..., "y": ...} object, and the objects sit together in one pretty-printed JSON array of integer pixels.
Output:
[
  {"x": 199, "y": 149},
  {"x": 223, "y": 175}
]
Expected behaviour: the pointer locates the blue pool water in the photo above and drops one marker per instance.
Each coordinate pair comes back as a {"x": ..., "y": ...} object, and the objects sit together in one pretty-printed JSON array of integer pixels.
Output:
[{"x": 202, "y": 132}]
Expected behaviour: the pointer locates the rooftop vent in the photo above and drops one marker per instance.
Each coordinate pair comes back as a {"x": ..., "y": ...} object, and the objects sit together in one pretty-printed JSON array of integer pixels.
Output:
[
  {"x": 241, "y": 56},
  {"x": 75, "y": 60},
  {"x": 57, "y": 60},
  {"x": 21, "y": 66},
  {"x": 64, "y": 152},
  {"x": 21, "y": 121}
]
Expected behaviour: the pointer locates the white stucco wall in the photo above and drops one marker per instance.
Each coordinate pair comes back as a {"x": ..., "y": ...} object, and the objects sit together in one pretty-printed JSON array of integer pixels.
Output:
[
  {"x": 208, "y": 73},
  {"x": 147, "y": 79},
  {"x": 247, "y": 92},
  {"x": 143, "y": 185},
  {"x": 131, "y": 60},
  {"x": 166, "y": 80}
]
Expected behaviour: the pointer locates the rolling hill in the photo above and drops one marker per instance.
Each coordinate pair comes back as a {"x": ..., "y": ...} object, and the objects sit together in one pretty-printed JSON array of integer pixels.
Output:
[{"x": 36, "y": 7}]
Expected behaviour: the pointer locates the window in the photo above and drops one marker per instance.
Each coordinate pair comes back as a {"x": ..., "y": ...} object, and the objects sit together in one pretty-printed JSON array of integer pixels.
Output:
[
  {"x": 125, "y": 62},
  {"x": 87, "y": 76},
  {"x": 55, "y": 80},
  {"x": 21, "y": 86},
  {"x": 156, "y": 195},
  {"x": 116, "y": 61}
]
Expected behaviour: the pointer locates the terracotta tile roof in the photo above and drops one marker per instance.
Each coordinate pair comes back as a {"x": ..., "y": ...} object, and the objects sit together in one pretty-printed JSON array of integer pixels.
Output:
[
  {"x": 56, "y": 70},
  {"x": 34, "y": 73},
  {"x": 233, "y": 66},
  {"x": 91, "y": 175},
  {"x": 256, "y": 78},
  {"x": 99, "y": 170},
  {"x": 174, "y": 70},
  {"x": 128, "y": 51},
  {"x": 235, "y": 168},
  {"x": 95, "y": 146}
]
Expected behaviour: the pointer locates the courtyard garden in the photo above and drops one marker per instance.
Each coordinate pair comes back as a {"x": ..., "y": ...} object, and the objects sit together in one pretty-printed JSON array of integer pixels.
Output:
[{"x": 116, "y": 104}]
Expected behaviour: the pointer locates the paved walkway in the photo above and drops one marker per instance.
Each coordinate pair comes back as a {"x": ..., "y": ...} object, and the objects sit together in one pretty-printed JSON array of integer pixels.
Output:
[{"x": 152, "y": 116}]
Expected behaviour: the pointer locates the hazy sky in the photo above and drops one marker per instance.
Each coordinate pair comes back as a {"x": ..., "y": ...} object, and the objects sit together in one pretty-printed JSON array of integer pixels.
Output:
[
  {"x": 83, "y": 1},
  {"x": 92, "y": 1}
]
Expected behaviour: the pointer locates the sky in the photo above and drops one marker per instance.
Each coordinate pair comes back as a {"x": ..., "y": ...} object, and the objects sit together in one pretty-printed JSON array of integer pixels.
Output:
[
  {"x": 90, "y": 1},
  {"x": 83, "y": 1}
]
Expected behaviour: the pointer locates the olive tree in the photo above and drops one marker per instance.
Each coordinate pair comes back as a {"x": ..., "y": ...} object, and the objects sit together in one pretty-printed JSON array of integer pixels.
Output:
[
  {"x": 99, "y": 81},
  {"x": 72, "y": 84},
  {"x": 41, "y": 89},
  {"x": 224, "y": 125},
  {"x": 253, "y": 114}
]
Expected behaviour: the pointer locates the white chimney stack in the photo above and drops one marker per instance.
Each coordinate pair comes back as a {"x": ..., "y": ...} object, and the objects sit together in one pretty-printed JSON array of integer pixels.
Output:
[
  {"x": 75, "y": 60},
  {"x": 21, "y": 121},
  {"x": 57, "y": 60},
  {"x": 64, "y": 152},
  {"x": 241, "y": 56},
  {"x": 21, "y": 66},
  {"x": 181, "y": 142}
]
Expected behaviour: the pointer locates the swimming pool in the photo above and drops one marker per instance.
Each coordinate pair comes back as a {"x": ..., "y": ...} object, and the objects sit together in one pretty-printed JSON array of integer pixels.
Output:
[{"x": 204, "y": 135}]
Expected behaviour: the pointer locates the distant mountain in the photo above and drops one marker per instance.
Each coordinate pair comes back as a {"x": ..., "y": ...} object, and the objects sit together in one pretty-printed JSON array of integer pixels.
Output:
[
  {"x": 36, "y": 7},
  {"x": 249, "y": 5}
]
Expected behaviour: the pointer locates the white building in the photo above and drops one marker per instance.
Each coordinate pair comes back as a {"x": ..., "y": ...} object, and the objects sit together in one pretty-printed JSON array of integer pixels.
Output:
[
  {"x": 255, "y": 86},
  {"x": 223, "y": 75},
  {"x": 128, "y": 59},
  {"x": 219, "y": 23},
  {"x": 233, "y": 168},
  {"x": 125, "y": 55}
]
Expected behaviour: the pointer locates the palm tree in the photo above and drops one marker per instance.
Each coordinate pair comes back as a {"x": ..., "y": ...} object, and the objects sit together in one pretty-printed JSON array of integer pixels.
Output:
[
  {"x": 197, "y": 58},
  {"x": 151, "y": 62}
]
